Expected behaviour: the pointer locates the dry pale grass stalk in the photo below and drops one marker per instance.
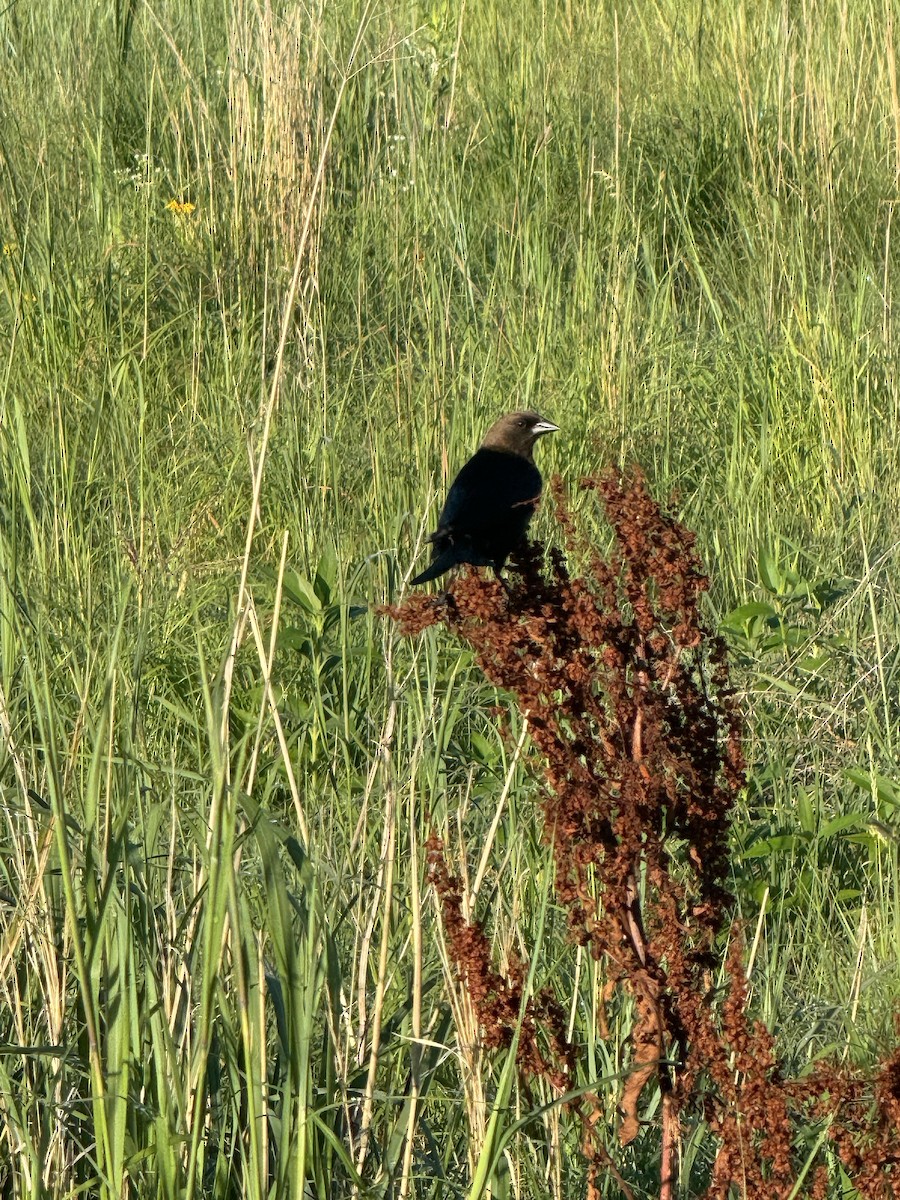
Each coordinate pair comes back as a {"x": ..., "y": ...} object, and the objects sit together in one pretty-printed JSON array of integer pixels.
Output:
[{"x": 274, "y": 74}]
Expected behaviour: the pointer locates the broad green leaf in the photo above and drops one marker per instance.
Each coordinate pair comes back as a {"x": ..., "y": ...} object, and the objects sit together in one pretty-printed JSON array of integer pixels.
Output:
[
  {"x": 841, "y": 824},
  {"x": 885, "y": 789},
  {"x": 301, "y": 592},
  {"x": 770, "y": 574},
  {"x": 775, "y": 845},
  {"x": 739, "y": 617}
]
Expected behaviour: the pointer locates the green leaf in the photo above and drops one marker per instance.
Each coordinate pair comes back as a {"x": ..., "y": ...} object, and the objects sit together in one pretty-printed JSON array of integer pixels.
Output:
[
  {"x": 770, "y": 574},
  {"x": 885, "y": 790},
  {"x": 788, "y": 635},
  {"x": 862, "y": 839},
  {"x": 814, "y": 663},
  {"x": 326, "y": 574},
  {"x": 292, "y": 638},
  {"x": 749, "y": 620},
  {"x": 485, "y": 751},
  {"x": 301, "y": 592},
  {"x": 805, "y": 811},
  {"x": 745, "y": 613},
  {"x": 774, "y": 845},
  {"x": 781, "y": 685},
  {"x": 841, "y": 824}
]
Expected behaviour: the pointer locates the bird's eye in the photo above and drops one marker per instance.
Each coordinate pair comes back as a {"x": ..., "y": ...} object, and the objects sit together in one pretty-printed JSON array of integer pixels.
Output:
[{"x": 521, "y": 422}]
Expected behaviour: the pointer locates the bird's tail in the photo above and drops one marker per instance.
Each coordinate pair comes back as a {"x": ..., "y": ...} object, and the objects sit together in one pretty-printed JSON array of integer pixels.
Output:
[{"x": 436, "y": 567}]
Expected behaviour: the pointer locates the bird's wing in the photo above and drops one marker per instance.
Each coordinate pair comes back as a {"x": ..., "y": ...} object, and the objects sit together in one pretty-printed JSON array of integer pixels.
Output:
[{"x": 487, "y": 488}]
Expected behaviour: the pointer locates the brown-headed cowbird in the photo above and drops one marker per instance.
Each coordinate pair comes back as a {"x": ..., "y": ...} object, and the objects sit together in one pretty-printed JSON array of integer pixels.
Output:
[{"x": 491, "y": 500}]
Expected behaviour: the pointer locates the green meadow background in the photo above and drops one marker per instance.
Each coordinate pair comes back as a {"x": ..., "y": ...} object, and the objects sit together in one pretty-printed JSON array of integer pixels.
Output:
[{"x": 268, "y": 271}]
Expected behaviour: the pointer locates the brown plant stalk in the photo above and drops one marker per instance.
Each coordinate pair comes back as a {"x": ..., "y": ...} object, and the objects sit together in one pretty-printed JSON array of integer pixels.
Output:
[{"x": 628, "y": 701}]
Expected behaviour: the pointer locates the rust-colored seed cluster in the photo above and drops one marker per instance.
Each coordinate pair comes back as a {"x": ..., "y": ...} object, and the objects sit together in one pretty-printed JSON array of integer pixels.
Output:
[
  {"x": 498, "y": 1001},
  {"x": 627, "y": 698}
]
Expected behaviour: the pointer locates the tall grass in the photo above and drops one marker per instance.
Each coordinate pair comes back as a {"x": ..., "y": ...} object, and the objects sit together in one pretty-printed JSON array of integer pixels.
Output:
[{"x": 268, "y": 271}]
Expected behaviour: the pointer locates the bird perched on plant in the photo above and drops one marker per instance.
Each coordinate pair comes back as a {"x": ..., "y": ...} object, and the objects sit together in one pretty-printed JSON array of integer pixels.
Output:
[{"x": 491, "y": 500}]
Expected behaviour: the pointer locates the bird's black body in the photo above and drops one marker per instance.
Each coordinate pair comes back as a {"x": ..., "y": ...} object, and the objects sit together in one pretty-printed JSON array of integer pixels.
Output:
[{"x": 491, "y": 500}]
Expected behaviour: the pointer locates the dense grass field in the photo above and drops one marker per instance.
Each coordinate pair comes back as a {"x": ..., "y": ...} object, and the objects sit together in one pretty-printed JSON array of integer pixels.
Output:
[{"x": 267, "y": 273}]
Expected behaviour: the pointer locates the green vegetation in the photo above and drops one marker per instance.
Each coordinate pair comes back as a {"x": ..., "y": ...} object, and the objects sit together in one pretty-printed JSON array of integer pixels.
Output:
[{"x": 267, "y": 272}]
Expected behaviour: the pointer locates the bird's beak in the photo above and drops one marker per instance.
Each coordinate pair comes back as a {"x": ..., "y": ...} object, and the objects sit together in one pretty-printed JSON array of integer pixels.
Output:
[{"x": 544, "y": 427}]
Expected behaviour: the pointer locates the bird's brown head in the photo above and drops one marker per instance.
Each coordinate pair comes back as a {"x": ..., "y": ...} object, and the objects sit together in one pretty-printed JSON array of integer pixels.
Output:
[{"x": 517, "y": 432}]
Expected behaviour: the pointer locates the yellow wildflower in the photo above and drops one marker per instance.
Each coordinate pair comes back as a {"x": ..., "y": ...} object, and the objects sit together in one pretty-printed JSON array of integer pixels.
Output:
[{"x": 182, "y": 208}]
